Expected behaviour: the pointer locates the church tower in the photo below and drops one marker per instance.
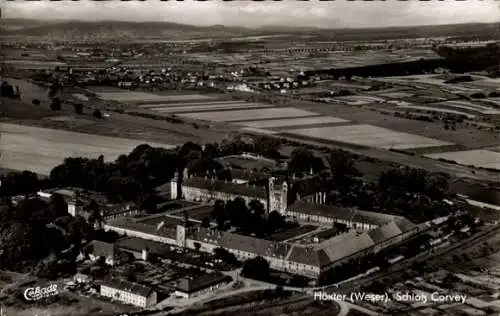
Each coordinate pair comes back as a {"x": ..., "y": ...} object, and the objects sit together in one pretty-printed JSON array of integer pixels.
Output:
[
  {"x": 284, "y": 198},
  {"x": 174, "y": 186},
  {"x": 271, "y": 205}
]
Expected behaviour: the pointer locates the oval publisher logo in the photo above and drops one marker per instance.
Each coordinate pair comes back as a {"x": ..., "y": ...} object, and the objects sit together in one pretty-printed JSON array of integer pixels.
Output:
[{"x": 38, "y": 293}]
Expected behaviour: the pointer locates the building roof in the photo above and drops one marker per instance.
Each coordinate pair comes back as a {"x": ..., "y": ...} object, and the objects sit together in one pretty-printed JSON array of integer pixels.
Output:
[
  {"x": 66, "y": 193},
  {"x": 345, "y": 245},
  {"x": 139, "y": 244},
  {"x": 127, "y": 223},
  {"x": 308, "y": 255},
  {"x": 226, "y": 187},
  {"x": 127, "y": 286},
  {"x": 101, "y": 249},
  {"x": 114, "y": 209},
  {"x": 341, "y": 213},
  {"x": 201, "y": 282},
  {"x": 259, "y": 246},
  {"x": 249, "y": 175}
]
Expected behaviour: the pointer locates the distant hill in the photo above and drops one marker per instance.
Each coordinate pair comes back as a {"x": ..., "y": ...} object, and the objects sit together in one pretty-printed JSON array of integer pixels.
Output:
[
  {"x": 114, "y": 29},
  {"x": 108, "y": 30}
]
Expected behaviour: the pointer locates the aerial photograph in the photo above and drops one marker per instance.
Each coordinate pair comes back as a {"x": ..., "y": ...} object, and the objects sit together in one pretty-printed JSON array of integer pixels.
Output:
[{"x": 271, "y": 158}]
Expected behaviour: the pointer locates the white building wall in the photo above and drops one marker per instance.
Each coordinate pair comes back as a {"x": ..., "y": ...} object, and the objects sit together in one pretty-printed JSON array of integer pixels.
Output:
[
  {"x": 133, "y": 233},
  {"x": 127, "y": 297},
  {"x": 200, "y": 292}
]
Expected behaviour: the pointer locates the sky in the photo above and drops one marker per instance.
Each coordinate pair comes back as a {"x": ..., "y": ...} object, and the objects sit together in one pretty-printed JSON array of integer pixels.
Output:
[{"x": 339, "y": 13}]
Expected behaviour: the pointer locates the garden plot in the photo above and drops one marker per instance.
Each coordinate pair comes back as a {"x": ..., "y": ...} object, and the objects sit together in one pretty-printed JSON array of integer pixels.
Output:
[
  {"x": 478, "y": 158},
  {"x": 370, "y": 136},
  {"x": 211, "y": 107},
  {"x": 41, "y": 149},
  {"x": 144, "y": 97},
  {"x": 435, "y": 109},
  {"x": 295, "y": 122},
  {"x": 156, "y": 105},
  {"x": 249, "y": 115}
]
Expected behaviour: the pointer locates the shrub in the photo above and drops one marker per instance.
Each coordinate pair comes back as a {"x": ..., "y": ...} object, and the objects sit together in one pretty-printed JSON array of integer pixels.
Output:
[
  {"x": 78, "y": 108},
  {"x": 56, "y": 104},
  {"x": 97, "y": 113}
]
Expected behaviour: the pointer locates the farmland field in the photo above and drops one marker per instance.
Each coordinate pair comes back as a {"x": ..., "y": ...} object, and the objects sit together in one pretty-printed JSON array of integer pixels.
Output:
[
  {"x": 396, "y": 95},
  {"x": 210, "y": 107},
  {"x": 258, "y": 131},
  {"x": 478, "y": 158},
  {"x": 249, "y": 115},
  {"x": 435, "y": 109},
  {"x": 470, "y": 137},
  {"x": 40, "y": 149},
  {"x": 221, "y": 102},
  {"x": 144, "y": 97},
  {"x": 470, "y": 106},
  {"x": 294, "y": 122},
  {"x": 361, "y": 99},
  {"x": 370, "y": 136}
]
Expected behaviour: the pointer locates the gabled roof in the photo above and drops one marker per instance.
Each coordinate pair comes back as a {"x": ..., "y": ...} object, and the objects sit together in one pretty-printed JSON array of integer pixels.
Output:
[
  {"x": 260, "y": 247},
  {"x": 226, "y": 187},
  {"x": 127, "y": 223},
  {"x": 348, "y": 244},
  {"x": 308, "y": 256},
  {"x": 139, "y": 244},
  {"x": 198, "y": 283},
  {"x": 127, "y": 286},
  {"x": 341, "y": 213}
]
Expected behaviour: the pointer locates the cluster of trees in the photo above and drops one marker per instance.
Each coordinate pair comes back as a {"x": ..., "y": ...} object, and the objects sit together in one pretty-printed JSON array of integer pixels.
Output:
[
  {"x": 250, "y": 219},
  {"x": 225, "y": 256},
  {"x": 303, "y": 161},
  {"x": 413, "y": 193},
  {"x": 8, "y": 90},
  {"x": 256, "y": 268},
  {"x": 132, "y": 177},
  {"x": 40, "y": 237}
]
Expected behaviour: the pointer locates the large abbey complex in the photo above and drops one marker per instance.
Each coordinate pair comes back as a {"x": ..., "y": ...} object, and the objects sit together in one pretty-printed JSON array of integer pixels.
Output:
[
  {"x": 191, "y": 188},
  {"x": 309, "y": 255}
]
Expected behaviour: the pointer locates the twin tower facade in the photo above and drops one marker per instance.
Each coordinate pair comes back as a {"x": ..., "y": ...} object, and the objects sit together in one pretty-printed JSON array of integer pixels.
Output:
[{"x": 273, "y": 196}]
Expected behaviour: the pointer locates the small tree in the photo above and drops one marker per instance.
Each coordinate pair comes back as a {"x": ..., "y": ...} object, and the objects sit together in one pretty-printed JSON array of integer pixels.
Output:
[
  {"x": 56, "y": 104},
  {"x": 205, "y": 223},
  {"x": 97, "y": 113},
  {"x": 78, "y": 108}
]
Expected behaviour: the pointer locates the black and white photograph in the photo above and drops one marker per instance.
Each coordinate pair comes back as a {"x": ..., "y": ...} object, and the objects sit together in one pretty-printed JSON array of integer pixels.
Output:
[{"x": 269, "y": 158}]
